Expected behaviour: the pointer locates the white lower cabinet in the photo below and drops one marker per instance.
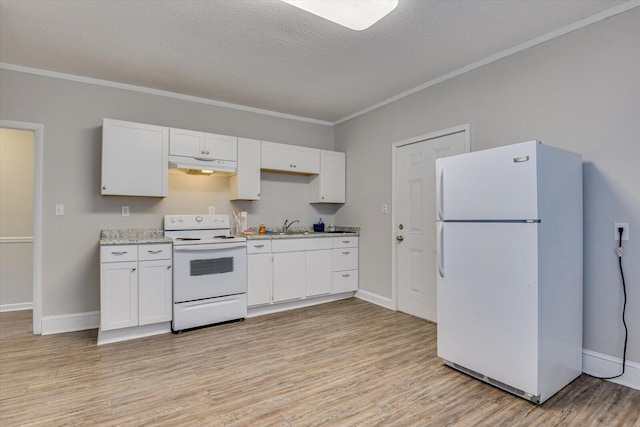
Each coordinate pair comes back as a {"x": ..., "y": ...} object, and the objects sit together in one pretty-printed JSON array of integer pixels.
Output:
[
  {"x": 288, "y": 276},
  {"x": 259, "y": 278},
  {"x": 287, "y": 270},
  {"x": 317, "y": 272},
  {"x": 135, "y": 285}
]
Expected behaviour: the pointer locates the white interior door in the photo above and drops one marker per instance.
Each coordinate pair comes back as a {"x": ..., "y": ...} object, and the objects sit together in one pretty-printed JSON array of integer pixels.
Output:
[{"x": 415, "y": 220}]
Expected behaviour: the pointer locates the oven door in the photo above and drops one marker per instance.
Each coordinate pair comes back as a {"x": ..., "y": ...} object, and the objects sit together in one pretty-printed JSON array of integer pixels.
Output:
[{"x": 209, "y": 270}]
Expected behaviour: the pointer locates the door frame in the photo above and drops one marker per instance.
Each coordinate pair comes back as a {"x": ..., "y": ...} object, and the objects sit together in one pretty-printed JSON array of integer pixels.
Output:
[
  {"x": 38, "y": 131},
  {"x": 466, "y": 128}
]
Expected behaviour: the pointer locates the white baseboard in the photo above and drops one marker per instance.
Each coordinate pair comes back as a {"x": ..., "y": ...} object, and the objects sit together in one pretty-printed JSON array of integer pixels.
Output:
[
  {"x": 16, "y": 307},
  {"x": 292, "y": 305},
  {"x": 117, "y": 335},
  {"x": 375, "y": 299},
  {"x": 61, "y": 323},
  {"x": 603, "y": 365}
]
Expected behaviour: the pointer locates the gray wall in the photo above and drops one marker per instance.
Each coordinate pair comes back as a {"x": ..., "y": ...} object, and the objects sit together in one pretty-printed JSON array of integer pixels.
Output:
[
  {"x": 72, "y": 114},
  {"x": 580, "y": 92}
]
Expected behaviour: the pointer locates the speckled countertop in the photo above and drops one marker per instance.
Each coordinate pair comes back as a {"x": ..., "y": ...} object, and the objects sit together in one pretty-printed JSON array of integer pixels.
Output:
[
  {"x": 305, "y": 232},
  {"x": 133, "y": 236}
]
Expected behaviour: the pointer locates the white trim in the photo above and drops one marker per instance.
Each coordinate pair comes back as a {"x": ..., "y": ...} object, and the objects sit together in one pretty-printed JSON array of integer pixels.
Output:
[
  {"x": 292, "y": 305},
  {"x": 18, "y": 239},
  {"x": 394, "y": 148},
  {"x": 16, "y": 307},
  {"x": 375, "y": 299},
  {"x": 603, "y": 365},
  {"x": 500, "y": 55},
  {"x": 73, "y": 322},
  {"x": 38, "y": 130},
  {"x": 150, "y": 91},
  {"x": 124, "y": 334}
]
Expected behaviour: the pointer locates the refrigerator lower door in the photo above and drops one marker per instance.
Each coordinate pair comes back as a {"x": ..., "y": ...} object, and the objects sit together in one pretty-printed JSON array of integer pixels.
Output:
[{"x": 488, "y": 299}]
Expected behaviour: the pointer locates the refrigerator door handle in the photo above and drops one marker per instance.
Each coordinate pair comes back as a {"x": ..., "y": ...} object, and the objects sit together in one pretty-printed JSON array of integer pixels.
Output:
[
  {"x": 440, "y": 247},
  {"x": 439, "y": 189}
]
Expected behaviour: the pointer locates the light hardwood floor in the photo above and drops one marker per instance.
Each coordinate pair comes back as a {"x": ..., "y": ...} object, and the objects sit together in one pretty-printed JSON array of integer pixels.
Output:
[{"x": 344, "y": 363}]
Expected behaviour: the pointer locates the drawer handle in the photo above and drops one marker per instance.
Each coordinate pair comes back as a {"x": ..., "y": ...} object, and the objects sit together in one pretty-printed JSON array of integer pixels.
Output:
[
  {"x": 258, "y": 246},
  {"x": 346, "y": 275},
  {"x": 346, "y": 241},
  {"x": 168, "y": 267},
  {"x": 346, "y": 253},
  {"x": 133, "y": 269},
  {"x": 155, "y": 252},
  {"x": 119, "y": 253}
]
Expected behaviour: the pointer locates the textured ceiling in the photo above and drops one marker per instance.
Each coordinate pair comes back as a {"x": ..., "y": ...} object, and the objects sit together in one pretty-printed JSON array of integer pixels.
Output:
[{"x": 267, "y": 54}]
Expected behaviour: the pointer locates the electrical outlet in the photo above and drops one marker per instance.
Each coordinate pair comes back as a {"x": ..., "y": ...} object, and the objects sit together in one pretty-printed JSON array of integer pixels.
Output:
[
  {"x": 385, "y": 209},
  {"x": 212, "y": 210},
  {"x": 625, "y": 231},
  {"x": 125, "y": 211}
]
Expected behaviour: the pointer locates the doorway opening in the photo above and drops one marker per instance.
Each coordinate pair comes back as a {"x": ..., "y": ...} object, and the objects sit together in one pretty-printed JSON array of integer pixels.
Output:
[{"x": 21, "y": 223}]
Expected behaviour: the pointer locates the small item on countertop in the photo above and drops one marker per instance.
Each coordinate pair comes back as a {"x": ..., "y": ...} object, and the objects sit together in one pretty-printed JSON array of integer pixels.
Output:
[
  {"x": 319, "y": 226},
  {"x": 332, "y": 228},
  {"x": 262, "y": 229},
  {"x": 247, "y": 232}
]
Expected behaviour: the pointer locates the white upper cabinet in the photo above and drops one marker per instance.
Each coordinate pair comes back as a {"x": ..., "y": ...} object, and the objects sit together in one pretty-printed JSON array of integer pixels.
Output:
[
  {"x": 134, "y": 159},
  {"x": 201, "y": 145},
  {"x": 330, "y": 185},
  {"x": 245, "y": 184},
  {"x": 290, "y": 158}
]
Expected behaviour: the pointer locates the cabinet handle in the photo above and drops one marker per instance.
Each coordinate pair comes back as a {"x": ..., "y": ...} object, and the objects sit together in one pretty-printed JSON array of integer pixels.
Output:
[
  {"x": 295, "y": 166},
  {"x": 104, "y": 187},
  {"x": 346, "y": 275},
  {"x": 346, "y": 253},
  {"x": 168, "y": 267},
  {"x": 258, "y": 246},
  {"x": 322, "y": 197},
  {"x": 207, "y": 152},
  {"x": 346, "y": 241},
  {"x": 155, "y": 252},
  {"x": 258, "y": 194},
  {"x": 291, "y": 165},
  {"x": 133, "y": 269},
  {"x": 119, "y": 253}
]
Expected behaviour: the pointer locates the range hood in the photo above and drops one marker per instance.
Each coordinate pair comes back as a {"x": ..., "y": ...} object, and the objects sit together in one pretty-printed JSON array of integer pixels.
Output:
[{"x": 203, "y": 166}]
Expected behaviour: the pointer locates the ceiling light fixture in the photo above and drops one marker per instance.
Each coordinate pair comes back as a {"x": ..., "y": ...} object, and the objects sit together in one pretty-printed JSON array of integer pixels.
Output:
[{"x": 355, "y": 14}]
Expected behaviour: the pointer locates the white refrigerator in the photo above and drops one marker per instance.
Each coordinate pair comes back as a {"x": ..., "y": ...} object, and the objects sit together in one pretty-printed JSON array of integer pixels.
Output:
[{"x": 509, "y": 254}]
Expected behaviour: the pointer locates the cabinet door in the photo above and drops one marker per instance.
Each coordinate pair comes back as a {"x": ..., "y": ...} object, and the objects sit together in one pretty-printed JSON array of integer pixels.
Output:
[
  {"x": 332, "y": 177},
  {"x": 245, "y": 184},
  {"x": 134, "y": 159},
  {"x": 288, "y": 276},
  {"x": 345, "y": 281},
  {"x": 118, "y": 295},
  {"x": 259, "y": 279},
  {"x": 187, "y": 143},
  {"x": 318, "y": 273},
  {"x": 276, "y": 156},
  {"x": 305, "y": 159},
  {"x": 221, "y": 147},
  {"x": 155, "y": 296}
]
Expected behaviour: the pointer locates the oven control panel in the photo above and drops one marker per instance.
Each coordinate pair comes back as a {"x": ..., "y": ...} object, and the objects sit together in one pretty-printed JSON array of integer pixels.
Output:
[{"x": 196, "y": 222}]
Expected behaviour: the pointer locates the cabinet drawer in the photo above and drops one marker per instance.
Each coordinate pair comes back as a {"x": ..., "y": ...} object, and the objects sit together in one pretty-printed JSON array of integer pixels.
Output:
[
  {"x": 345, "y": 259},
  {"x": 258, "y": 246},
  {"x": 157, "y": 251},
  {"x": 300, "y": 244},
  {"x": 345, "y": 281},
  {"x": 118, "y": 253},
  {"x": 345, "y": 242}
]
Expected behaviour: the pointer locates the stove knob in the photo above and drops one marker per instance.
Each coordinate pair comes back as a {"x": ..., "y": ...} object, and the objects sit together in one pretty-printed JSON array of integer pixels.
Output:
[
  {"x": 198, "y": 219},
  {"x": 180, "y": 219},
  {"x": 173, "y": 220}
]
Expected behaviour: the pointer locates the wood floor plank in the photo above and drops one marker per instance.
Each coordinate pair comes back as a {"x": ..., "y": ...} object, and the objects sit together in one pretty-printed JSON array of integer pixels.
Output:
[{"x": 346, "y": 363}]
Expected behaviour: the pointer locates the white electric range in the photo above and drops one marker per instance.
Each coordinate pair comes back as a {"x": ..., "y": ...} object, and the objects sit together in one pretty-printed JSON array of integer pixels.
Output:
[{"x": 209, "y": 271}]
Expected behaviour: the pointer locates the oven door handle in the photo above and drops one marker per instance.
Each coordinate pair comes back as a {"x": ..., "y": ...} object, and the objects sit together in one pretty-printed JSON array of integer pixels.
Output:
[{"x": 210, "y": 247}]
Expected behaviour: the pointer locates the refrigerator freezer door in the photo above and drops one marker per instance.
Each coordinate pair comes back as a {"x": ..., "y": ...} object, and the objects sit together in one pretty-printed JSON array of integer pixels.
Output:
[
  {"x": 488, "y": 299},
  {"x": 495, "y": 184}
]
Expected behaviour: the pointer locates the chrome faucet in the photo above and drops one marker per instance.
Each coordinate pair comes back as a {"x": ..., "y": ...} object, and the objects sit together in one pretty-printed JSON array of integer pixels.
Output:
[{"x": 288, "y": 224}]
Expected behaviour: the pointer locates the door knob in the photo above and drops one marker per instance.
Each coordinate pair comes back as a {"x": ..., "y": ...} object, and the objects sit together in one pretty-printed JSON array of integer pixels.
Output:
[{"x": 400, "y": 238}]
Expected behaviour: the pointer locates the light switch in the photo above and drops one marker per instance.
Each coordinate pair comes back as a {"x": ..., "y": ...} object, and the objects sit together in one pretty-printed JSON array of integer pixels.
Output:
[
  {"x": 125, "y": 211},
  {"x": 59, "y": 209}
]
